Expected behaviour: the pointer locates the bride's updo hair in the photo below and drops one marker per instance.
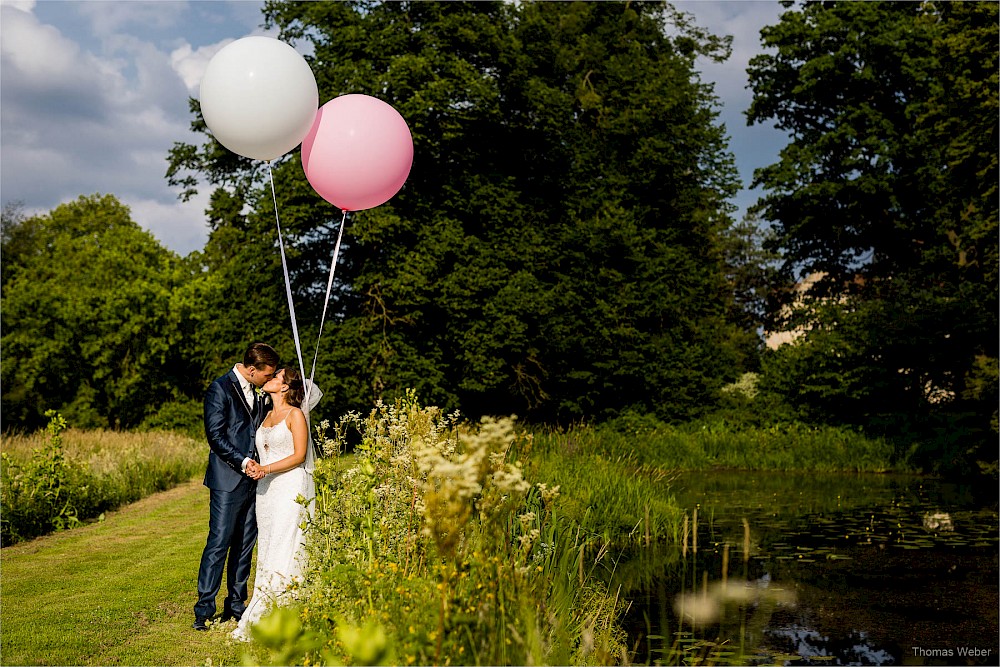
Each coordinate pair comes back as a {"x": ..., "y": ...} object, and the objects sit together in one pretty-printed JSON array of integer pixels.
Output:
[{"x": 296, "y": 388}]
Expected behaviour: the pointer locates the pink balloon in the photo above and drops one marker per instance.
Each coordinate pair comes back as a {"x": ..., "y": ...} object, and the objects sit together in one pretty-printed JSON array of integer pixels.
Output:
[{"x": 358, "y": 153}]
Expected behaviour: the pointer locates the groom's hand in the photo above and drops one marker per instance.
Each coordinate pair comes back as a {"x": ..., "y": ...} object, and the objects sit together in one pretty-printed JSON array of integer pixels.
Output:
[{"x": 254, "y": 470}]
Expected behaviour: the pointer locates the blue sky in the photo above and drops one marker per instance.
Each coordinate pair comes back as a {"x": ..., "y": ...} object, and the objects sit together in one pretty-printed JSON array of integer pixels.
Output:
[{"x": 93, "y": 93}]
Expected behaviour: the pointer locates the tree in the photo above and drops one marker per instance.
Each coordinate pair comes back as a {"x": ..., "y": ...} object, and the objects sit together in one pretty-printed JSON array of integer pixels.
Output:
[
  {"x": 87, "y": 319},
  {"x": 888, "y": 188},
  {"x": 752, "y": 274},
  {"x": 556, "y": 250}
]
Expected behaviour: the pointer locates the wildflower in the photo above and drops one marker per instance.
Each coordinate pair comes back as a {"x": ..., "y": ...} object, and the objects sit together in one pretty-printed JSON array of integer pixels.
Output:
[
  {"x": 497, "y": 459},
  {"x": 526, "y": 540},
  {"x": 548, "y": 495}
]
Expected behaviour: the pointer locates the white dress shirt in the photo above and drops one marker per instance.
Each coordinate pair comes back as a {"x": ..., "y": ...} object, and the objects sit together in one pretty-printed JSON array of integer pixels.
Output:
[{"x": 245, "y": 385}]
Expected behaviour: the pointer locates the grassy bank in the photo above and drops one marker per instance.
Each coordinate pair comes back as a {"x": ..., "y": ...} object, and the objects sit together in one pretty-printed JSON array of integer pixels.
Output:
[
  {"x": 432, "y": 547},
  {"x": 119, "y": 592},
  {"x": 704, "y": 445},
  {"x": 443, "y": 543},
  {"x": 59, "y": 478},
  {"x": 615, "y": 478},
  {"x": 626, "y": 503}
]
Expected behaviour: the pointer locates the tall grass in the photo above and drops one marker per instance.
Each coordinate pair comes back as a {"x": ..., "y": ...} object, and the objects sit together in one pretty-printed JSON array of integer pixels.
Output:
[
  {"x": 702, "y": 445},
  {"x": 616, "y": 476},
  {"x": 59, "y": 477},
  {"x": 430, "y": 546},
  {"x": 628, "y": 503}
]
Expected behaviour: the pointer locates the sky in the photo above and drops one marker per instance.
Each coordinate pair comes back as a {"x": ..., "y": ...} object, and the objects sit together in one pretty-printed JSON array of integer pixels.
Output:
[{"x": 94, "y": 93}]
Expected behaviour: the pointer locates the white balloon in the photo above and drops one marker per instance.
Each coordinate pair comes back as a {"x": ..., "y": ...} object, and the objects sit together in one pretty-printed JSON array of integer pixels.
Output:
[{"x": 259, "y": 97}]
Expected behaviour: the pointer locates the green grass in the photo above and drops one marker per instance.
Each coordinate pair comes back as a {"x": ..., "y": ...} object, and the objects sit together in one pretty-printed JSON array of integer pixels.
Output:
[
  {"x": 706, "y": 445},
  {"x": 118, "y": 592},
  {"x": 104, "y": 452},
  {"x": 625, "y": 503}
]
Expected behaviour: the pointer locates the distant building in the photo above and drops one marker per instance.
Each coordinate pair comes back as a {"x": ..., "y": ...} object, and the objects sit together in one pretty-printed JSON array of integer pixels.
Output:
[{"x": 775, "y": 339}]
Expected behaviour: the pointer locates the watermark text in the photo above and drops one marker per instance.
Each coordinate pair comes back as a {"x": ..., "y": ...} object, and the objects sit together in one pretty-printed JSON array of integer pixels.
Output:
[{"x": 957, "y": 652}]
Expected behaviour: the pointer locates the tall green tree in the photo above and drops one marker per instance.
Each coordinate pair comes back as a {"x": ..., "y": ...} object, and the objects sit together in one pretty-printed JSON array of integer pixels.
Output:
[
  {"x": 888, "y": 189},
  {"x": 556, "y": 250},
  {"x": 86, "y": 307}
]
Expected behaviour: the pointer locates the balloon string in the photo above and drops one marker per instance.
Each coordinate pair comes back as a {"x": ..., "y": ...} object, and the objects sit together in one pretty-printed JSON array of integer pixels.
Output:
[
  {"x": 326, "y": 301},
  {"x": 288, "y": 284}
]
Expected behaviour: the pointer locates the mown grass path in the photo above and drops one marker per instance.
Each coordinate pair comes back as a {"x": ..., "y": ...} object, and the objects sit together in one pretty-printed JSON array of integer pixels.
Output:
[{"x": 120, "y": 592}]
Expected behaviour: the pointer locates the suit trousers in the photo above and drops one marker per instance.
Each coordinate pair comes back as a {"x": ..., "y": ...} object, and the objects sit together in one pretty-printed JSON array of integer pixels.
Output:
[{"x": 232, "y": 534}]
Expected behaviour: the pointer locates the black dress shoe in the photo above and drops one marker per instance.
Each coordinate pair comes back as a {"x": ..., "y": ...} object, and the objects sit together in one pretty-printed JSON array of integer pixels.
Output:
[
  {"x": 200, "y": 624},
  {"x": 230, "y": 615}
]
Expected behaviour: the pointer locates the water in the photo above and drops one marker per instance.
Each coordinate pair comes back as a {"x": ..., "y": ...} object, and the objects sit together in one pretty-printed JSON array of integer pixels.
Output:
[{"x": 828, "y": 569}]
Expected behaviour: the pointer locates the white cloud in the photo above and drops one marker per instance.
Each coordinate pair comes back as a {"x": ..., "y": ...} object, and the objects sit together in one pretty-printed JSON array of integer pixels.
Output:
[
  {"x": 40, "y": 57},
  {"x": 179, "y": 226},
  {"x": 758, "y": 145},
  {"x": 190, "y": 63},
  {"x": 79, "y": 121},
  {"x": 23, "y": 5},
  {"x": 152, "y": 79}
]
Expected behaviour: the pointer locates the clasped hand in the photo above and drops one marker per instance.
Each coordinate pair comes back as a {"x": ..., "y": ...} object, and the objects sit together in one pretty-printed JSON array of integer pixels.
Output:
[{"x": 255, "y": 470}]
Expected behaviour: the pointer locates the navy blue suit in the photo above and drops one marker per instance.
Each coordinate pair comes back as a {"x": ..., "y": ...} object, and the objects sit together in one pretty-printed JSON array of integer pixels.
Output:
[{"x": 230, "y": 426}]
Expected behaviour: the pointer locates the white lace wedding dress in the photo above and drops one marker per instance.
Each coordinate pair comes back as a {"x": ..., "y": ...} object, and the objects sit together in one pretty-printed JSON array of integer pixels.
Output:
[{"x": 281, "y": 556}]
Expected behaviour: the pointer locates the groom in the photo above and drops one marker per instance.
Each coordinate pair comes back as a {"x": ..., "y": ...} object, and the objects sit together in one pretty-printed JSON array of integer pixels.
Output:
[{"x": 233, "y": 412}]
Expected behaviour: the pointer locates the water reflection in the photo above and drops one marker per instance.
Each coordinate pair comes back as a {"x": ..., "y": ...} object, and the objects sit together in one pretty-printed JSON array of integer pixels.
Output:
[
  {"x": 708, "y": 605},
  {"x": 819, "y": 569},
  {"x": 938, "y": 521},
  {"x": 807, "y": 645}
]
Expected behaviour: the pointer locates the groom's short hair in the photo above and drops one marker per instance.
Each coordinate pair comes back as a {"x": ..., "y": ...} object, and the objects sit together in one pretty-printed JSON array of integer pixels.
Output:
[{"x": 260, "y": 355}]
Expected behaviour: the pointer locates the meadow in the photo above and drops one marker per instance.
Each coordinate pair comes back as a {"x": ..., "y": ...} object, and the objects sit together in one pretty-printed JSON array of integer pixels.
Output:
[
  {"x": 60, "y": 477},
  {"x": 433, "y": 541}
]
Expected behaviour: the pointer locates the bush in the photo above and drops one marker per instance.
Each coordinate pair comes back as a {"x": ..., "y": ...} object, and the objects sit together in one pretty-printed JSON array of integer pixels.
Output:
[
  {"x": 43, "y": 494},
  {"x": 182, "y": 416}
]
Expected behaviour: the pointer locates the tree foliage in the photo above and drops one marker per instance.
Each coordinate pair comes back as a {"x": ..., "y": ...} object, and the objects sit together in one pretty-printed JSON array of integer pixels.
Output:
[
  {"x": 556, "y": 251},
  {"x": 888, "y": 188},
  {"x": 87, "y": 317}
]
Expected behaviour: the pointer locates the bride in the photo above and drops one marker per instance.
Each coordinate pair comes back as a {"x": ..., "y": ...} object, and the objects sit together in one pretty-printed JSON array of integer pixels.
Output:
[{"x": 284, "y": 473}]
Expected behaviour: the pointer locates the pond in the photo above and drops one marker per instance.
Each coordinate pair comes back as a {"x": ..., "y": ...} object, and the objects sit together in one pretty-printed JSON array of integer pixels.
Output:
[{"x": 801, "y": 569}]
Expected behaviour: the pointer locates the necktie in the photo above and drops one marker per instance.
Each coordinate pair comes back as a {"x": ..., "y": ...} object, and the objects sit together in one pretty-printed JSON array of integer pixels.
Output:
[{"x": 255, "y": 417}]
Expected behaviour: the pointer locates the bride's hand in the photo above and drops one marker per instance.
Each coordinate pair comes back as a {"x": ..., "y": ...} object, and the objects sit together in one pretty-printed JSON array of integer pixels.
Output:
[{"x": 254, "y": 470}]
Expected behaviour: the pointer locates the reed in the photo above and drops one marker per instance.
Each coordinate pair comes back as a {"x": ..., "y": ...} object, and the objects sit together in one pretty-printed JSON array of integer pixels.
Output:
[
  {"x": 627, "y": 503},
  {"x": 651, "y": 446}
]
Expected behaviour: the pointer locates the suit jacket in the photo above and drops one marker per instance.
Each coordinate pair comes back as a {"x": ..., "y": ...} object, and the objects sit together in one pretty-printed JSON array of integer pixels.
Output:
[{"x": 231, "y": 429}]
